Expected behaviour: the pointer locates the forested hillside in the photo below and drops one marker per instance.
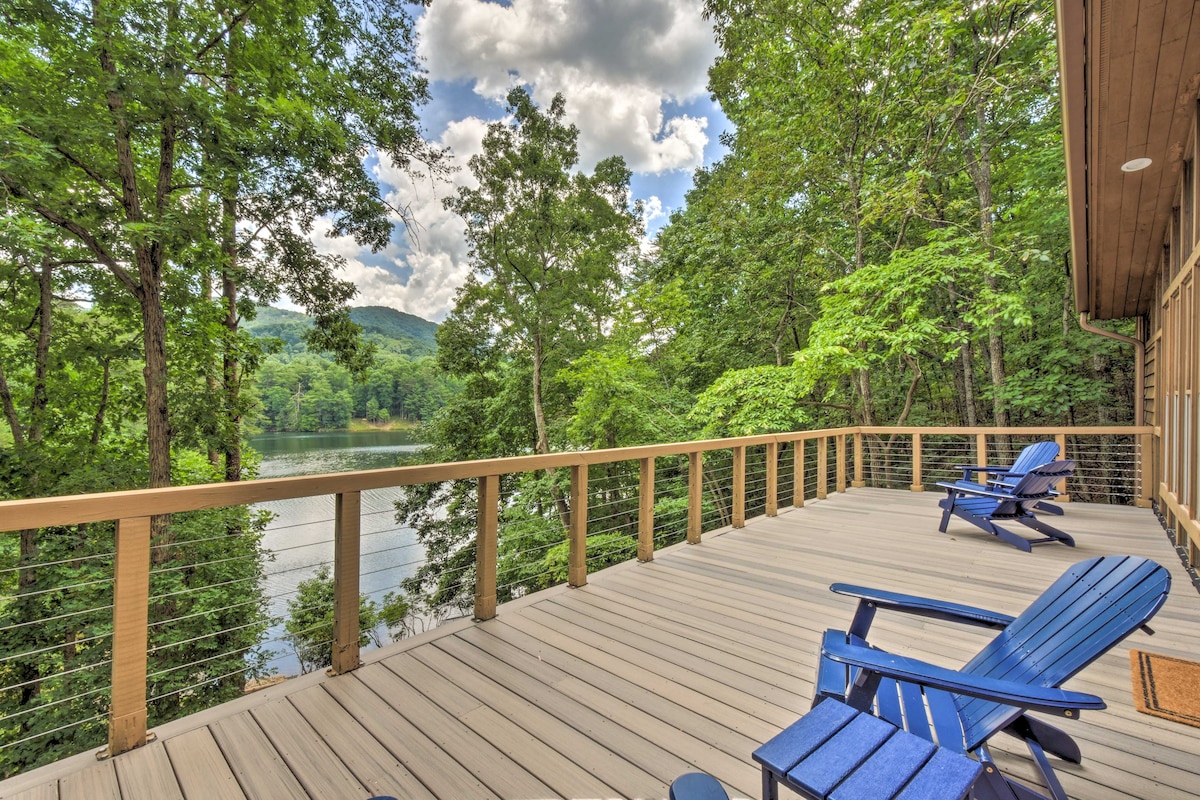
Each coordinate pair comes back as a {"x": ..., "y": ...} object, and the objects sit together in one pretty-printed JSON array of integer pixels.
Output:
[
  {"x": 391, "y": 331},
  {"x": 298, "y": 390}
]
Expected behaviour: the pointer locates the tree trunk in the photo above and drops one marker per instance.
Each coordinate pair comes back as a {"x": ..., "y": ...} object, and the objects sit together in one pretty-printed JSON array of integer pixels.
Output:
[
  {"x": 979, "y": 167},
  {"x": 102, "y": 408},
  {"x": 968, "y": 376},
  {"x": 231, "y": 366},
  {"x": 148, "y": 257},
  {"x": 41, "y": 364},
  {"x": 543, "y": 436},
  {"x": 154, "y": 343}
]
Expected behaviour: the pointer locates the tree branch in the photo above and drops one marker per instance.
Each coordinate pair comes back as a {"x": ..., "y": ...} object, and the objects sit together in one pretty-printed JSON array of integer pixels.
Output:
[
  {"x": 78, "y": 231},
  {"x": 91, "y": 173},
  {"x": 10, "y": 411},
  {"x": 216, "y": 40}
]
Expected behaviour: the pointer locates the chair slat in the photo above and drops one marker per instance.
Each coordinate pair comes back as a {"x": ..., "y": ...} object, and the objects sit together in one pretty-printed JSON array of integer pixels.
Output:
[
  {"x": 1086, "y": 612},
  {"x": 943, "y": 776},
  {"x": 888, "y": 770},
  {"x": 829, "y": 764}
]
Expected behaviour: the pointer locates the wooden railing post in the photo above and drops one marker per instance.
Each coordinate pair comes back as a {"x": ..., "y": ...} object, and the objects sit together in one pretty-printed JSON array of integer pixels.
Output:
[
  {"x": 739, "y": 487},
  {"x": 577, "y": 557},
  {"x": 1145, "y": 468},
  {"x": 822, "y": 467},
  {"x": 1061, "y": 487},
  {"x": 487, "y": 518},
  {"x": 981, "y": 456},
  {"x": 646, "y": 511},
  {"x": 695, "y": 495},
  {"x": 131, "y": 616},
  {"x": 858, "y": 461},
  {"x": 840, "y": 453},
  {"x": 772, "y": 478},
  {"x": 798, "y": 475},
  {"x": 917, "y": 485},
  {"x": 346, "y": 542}
]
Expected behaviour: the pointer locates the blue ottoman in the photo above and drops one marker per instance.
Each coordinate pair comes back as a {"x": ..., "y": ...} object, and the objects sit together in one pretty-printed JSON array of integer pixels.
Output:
[{"x": 697, "y": 786}]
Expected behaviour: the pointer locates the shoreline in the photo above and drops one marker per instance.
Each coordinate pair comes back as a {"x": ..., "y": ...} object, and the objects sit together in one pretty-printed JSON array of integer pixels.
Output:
[{"x": 358, "y": 425}]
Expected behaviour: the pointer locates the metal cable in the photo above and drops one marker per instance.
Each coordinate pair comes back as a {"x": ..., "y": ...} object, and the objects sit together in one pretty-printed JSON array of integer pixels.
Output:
[
  {"x": 44, "y": 620},
  {"x": 52, "y": 730},
  {"x": 42, "y": 564}
]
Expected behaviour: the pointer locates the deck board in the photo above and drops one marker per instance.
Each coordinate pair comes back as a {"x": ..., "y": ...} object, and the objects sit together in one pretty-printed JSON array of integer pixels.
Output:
[
  {"x": 98, "y": 782},
  {"x": 148, "y": 775},
  {"x": 307, "y": 755},
  {"x": 370, "y": 762},
  {"x": 685, "y": 662},
  {"x": 259, "y": 768}
]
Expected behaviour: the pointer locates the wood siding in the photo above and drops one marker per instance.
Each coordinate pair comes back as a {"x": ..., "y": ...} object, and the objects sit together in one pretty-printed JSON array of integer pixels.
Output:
[
  {"x": 685, "y": 662},
  {"x": 1172, "y": 356}
]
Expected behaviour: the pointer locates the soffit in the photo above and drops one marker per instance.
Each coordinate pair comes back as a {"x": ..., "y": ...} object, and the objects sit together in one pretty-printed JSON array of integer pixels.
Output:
[{"x": 1130, "y": 74}]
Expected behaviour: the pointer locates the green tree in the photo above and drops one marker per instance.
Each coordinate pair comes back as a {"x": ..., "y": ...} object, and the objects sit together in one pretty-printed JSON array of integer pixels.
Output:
[
  {"x": 547, "y": 248},
  {"x": 165, "y": 164},
  {"x": 208, "y": 141},
  {"x": 309, "y": 622}
]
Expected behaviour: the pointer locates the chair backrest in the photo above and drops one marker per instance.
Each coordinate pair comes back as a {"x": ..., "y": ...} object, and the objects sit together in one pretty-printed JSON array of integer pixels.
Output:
[
  {"x": 1034, "y": 455},
  {"x": 1038, "y": 481},
  {"x": 1091, "y": 608}
]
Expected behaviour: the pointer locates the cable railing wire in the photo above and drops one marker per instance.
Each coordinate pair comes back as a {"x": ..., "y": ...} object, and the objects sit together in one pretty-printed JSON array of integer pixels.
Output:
[
  {"x": 60, "y": 728},
  {"x": 43, "y": 564},
  {"x": 56, "y": 618}
]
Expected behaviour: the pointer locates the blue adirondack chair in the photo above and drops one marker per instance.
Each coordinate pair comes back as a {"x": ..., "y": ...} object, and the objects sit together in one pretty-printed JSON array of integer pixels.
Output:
[
  {"x": 1033, "y": 455},
  {"x": 1087, "y": 611},
  {"x": 983, "y": 506}
]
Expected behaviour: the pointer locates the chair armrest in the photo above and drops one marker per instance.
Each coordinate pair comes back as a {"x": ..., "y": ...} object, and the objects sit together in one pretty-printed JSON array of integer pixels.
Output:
[
  {"x": 925, "y": 607},
  {"x": 910, "y": 670},
  {"x": 991, "y": 470},
  {"x": 977, "y": 490}
]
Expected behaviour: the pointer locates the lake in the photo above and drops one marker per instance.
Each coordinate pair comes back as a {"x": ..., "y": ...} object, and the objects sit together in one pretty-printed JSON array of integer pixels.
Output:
[{"x": 300, "y": 537}]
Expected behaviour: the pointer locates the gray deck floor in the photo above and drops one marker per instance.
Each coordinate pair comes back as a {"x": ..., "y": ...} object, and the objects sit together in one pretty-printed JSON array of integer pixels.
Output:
[{"x": 688, "y": 662}]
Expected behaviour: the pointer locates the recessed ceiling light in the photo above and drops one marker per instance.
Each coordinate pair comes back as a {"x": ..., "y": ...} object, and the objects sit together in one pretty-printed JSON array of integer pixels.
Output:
[{"x": 1136, "y": 165}]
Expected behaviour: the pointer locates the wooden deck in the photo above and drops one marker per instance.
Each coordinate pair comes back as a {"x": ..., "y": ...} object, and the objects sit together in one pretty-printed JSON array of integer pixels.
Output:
[{"x": 687, "y": 662}]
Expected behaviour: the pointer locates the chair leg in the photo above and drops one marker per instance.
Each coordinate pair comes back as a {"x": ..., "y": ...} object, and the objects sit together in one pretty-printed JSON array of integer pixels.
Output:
[
  {"x": 1039, "y": 755},
  {"x": 948, "y": 505},
  {"x": 1049, "y": 530},
  {"x": 1049, "y": 508},
  {"x": 991, "y": 785},
  {"x": 1053, "y": 741},
  {"x": 1019, "y": 542}
]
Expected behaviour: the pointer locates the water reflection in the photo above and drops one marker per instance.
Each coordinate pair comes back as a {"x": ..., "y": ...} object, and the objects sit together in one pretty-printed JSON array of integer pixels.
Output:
[{"x": 300, "y": 537}]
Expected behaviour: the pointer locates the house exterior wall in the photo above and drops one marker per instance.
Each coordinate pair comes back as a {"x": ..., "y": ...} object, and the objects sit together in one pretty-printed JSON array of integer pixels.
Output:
[{"x": 1172, "y": 371}]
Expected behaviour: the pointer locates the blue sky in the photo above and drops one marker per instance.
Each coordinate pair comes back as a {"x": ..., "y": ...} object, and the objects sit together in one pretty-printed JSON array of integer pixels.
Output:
[{"x": 633, "y": 73}]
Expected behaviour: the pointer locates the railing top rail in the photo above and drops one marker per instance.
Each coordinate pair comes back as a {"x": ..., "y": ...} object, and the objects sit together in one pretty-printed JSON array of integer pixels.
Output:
[
  {"x": 78, "y": 509},
  {"x": 83, "y": 508},
  {"x": 1039, "y": 430}
]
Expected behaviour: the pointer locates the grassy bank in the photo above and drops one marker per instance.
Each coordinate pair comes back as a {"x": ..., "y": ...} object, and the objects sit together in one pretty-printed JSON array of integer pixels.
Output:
[{"x": 359, "y": 424}]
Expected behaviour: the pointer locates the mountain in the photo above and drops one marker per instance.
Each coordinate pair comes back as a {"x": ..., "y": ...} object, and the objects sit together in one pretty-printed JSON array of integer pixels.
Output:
[{"x": 393, "y": 331}]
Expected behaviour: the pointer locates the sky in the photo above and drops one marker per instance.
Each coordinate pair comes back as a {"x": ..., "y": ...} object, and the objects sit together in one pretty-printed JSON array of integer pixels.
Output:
[{"x": 633, "y": 73}]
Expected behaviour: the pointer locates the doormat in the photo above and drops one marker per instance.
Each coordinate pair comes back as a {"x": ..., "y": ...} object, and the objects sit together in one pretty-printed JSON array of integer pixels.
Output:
[{"x": 1166, "y": 687}]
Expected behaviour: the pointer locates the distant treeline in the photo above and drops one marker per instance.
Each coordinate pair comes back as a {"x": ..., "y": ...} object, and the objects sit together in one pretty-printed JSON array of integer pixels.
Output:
[{"x": 307, "y": 392}]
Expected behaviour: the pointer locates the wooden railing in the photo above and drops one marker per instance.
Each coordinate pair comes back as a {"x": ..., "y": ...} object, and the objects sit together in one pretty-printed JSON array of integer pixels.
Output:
[{"x": 873, "y": 460}]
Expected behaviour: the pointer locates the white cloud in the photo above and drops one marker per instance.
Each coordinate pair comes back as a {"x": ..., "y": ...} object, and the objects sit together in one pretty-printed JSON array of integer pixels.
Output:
[
  {"x": 621, "y": 64},
  {"x": 652, "y": 209},
  {"x": 616, "y": 61},
  {"x": 436, "y": 252}
]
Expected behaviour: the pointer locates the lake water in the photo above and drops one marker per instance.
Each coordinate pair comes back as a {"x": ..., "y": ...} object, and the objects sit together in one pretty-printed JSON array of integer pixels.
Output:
[{"x": 300, "y": 537}]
